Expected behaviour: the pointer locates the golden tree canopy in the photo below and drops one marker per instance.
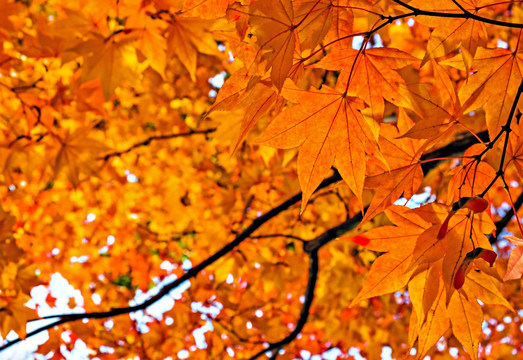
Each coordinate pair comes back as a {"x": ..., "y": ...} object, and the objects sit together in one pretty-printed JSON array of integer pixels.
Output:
[{"x": 211, "y": 179}]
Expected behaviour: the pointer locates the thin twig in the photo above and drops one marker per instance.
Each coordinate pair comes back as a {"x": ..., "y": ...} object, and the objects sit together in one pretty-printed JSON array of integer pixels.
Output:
[
  {"x": 465, "y": 14},
  {"x": 155, "y": 138},
  {"x": 501, "y": 224}
]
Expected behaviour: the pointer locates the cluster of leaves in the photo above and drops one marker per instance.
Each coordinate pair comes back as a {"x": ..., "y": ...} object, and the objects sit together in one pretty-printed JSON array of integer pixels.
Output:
[{"x": 128, "y": 172}]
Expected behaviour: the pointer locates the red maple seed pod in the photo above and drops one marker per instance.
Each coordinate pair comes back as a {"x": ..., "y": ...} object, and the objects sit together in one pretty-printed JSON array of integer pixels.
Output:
[
  {"x": 476, "y": 204},
  {"x": 489, "y": 256},
  {"x": 459, "y": 278},
  {"x": 444, "y": 227}
]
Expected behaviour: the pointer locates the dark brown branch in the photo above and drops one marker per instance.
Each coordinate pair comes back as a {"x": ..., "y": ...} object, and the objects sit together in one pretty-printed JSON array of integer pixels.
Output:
[
  {"x": 188, "y": 275},
  {"x": 154, "y": 138},
  {"x": 465, "y": 14},
  {"x": 333, "y": 233},
  {"x": 304, "y": 314},
  {"x": 501, "y": 224},
  {"x": 504, "y": 129},
  {"x": 309, "y": 246},
  {"x": 287, "y": 236},
  {"x": 456, "y": 147}
]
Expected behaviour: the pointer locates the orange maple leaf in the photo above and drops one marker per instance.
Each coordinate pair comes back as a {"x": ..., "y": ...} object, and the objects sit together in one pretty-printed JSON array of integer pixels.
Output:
[
  {"x": 370, "y": 75},
  {"x": 328, "y": 128},
  {"x": 451, "y": 34},
  {"x": 494, "y": 84},
  {"x": 515, "y": 261}
]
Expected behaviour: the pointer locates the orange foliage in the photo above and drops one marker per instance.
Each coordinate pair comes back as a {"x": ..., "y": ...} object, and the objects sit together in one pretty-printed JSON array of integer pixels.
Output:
[{"x": 265, "y": 177}]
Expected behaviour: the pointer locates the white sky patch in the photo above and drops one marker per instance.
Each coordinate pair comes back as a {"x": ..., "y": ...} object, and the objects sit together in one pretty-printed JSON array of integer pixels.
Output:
[
  {"x": 90, "y": 218},
  {"x": 386, "y": 352},
  {"x": 183, "y": 354},
  {"x": 199, "y": 337},
  {"x": 218, "y": 80},
  {"x": 378, "y": 43},
  {"x": 417, "y": 199},
  {"x": 230, "y": 279},
  {"x": 306, "y": 355},
  {"x": 357, "y": 42},
  {"x": 167, "y": 266},
  {"x": 97, "y": 299},
  {"x": 163, "y": 305},
  {"x": 502, "y": 44},
  {"x": 60, "y": 289},
  {"x": 79, "y": 259},
  {"x": 210, "y": 311},
  {"x": 186, "y": 264},
  {"x": 411, "y": 22},
  {"x": 103, "y": 250},
  {"x": 131, "y": 177},
  {"x": 106, "y": 349},
  {"x": 355, "y": 352}
]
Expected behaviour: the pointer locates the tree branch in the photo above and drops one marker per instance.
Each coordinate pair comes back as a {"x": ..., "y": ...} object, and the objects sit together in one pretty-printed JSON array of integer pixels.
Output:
[
  {"x": 501, "y": 224},
  {"x": 465, "y": 14},
  {"x": 154, "y": 138},
  {"x": 304, "y": 314},
  {"x": 456, "y": 147},
  {"x": 193, "y": 272},
  {"x": 310, "y": 246}
]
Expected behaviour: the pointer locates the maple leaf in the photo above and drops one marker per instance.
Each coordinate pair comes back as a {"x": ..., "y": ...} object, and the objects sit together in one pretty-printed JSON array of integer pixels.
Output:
[
  {"x": 115, "y": 63},
  {"x": 435, "y": 102},
  {"x": 9, "y": 8},
  {"x": 451, "y": 34},
  {"x": 328, "y": 127},
  {"x": 392, "y": 271},
  {"x": 273, "y": 24},
  {"x": 429, "y": 319},
  {"x": 76, "y": 152},
  {"x": 402, "y": 158},
  {"x": 369, "y": 74},
  {"x": 186, "y": 37},
  {"x": 515, "y": 153},
  {"x": 149, "y": 39},
  {"x": 467, "y": 326},
  {"x": 493, "y": 86},
  {"x": 239, "y": 92},
  {"x": 515, "y": 261},
  {"x": 14, "y": 316}
]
